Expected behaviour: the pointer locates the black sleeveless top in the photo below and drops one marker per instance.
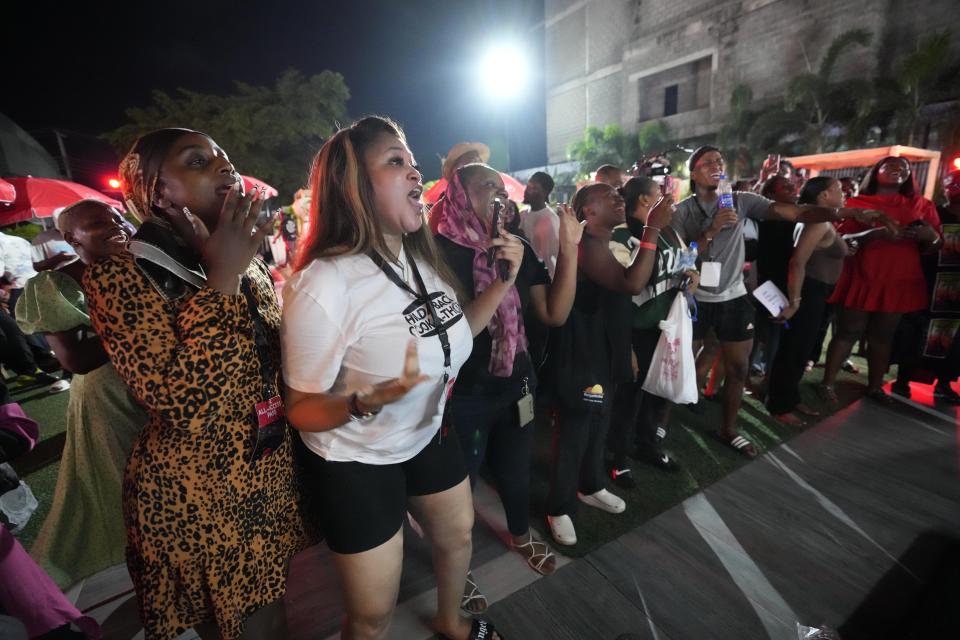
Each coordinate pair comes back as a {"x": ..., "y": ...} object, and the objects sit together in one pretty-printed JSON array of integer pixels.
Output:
[{"x": 593, "y": 346}]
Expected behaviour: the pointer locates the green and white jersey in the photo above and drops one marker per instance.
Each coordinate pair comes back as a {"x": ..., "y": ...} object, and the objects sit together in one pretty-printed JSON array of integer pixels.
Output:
[{"x": 651, "y": 305}]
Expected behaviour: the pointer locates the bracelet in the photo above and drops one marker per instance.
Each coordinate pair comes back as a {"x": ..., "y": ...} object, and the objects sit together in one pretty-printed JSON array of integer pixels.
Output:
[
  {"x": 648, "y": 245},
  {"x": 353, "y": 406},
  {"x": 647, "y": 226}
]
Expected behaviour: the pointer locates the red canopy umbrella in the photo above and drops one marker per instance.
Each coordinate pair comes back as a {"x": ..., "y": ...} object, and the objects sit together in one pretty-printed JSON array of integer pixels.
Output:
[
  {"x": 7, "y": 192},
  {"x": 514, "y": 189},
  {"x": 250, "y": 183},
  {"x": 41, "y": 197}
]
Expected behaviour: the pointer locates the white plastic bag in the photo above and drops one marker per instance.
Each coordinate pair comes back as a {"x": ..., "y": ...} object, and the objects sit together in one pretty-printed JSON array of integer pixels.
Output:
[
  {"x": 673, "y": 373},
  {"x": 18, "y": 505}
]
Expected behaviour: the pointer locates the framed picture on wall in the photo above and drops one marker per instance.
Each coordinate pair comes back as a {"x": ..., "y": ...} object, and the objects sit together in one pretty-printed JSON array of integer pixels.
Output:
[
  {"x": 950, "y": 251},
  {"x": 940, "y": 337},
  {"x": 946, "y": 293}
]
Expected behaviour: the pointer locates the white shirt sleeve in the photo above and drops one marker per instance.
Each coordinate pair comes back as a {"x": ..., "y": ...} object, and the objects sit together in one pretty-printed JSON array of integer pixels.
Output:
[{"x": 313, "y": 344}]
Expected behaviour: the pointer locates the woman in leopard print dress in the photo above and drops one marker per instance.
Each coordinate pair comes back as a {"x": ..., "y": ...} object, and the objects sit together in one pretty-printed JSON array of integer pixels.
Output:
[{"x": 190, "y": 321}]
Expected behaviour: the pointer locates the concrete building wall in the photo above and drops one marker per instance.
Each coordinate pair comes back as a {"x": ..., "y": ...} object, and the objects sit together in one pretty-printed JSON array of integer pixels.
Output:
[{"x": 611, "y": 61}]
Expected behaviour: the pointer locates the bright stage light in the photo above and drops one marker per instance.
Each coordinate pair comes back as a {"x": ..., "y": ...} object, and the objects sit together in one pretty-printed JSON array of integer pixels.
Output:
[{"x": 504, "y": 71}]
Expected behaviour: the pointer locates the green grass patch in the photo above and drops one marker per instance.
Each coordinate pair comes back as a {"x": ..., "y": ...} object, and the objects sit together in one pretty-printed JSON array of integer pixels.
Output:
[
  {"x": 690, "y": 441},
  {"x": 49, "y": 410}
]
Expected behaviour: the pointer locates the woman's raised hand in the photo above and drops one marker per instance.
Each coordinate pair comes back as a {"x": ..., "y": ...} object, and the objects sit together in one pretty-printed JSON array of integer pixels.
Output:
[
  {"x": 661, "y": 214},
  {"x": 509, "y": 248},
  {"x": 373, "y": 398},
  {"x": 227, "y": 251},
  {"x": 571, "y": 231}
]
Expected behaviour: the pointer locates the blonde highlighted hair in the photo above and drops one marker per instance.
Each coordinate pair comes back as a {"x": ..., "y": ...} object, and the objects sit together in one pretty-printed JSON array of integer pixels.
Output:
[{"x": 343, "y": 219}]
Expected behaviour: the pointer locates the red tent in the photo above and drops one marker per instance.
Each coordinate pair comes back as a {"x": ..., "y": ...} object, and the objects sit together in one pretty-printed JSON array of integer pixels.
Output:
[
  {"x": 7, "y": 192},
  {"x": 514, "y": 189},
  {"x": 41, "y": 197}
]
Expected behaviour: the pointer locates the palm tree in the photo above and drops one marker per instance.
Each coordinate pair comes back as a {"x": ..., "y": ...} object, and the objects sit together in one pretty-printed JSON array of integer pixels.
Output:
[
  {"x": 927, "y": 75},
  {"x": 654, "y": 137},
  {"x": 733, "y": 137},
  {"x": 823, "y": 102},
  {"x": 610, "y": 145}
]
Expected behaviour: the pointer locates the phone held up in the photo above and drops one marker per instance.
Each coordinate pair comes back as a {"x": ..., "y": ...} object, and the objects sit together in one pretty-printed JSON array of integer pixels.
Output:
[{"x": 503, "y": 266}]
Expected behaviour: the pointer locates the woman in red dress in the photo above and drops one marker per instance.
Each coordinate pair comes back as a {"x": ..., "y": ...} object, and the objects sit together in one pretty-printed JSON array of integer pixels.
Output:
[{"x": 884, "y": 279}]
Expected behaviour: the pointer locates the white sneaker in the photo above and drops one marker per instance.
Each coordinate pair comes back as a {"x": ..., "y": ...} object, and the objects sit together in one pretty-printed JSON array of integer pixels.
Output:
[
  {"x": 562, "y": 529},
  {"x": 58, "y": 386},
  {"x": 604, "y": 500}
]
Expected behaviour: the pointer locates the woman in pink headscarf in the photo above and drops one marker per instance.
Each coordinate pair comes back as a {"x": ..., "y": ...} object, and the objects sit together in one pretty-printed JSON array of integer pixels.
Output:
[{"x": 492, "y": 404}]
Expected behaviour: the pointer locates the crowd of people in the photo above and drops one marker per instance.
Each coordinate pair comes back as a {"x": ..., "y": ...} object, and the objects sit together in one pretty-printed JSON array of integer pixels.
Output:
[{"x": 417, "y": 346}]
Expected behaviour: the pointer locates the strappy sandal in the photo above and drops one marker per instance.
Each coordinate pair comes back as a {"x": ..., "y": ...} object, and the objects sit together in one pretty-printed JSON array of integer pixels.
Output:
[
  {"x": 828, "y": 393},
  {"x": 471, "y": 595},
  {"x": 536, "y": 559},
  {"x": 739, "y": 444},
  {"x": 481, "y": 630},
  {"x": 880, "y": 396}
]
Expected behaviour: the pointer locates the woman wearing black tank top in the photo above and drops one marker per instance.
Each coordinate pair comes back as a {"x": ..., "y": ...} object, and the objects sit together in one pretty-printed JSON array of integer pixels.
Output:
[{"x": 814, "y": 270}]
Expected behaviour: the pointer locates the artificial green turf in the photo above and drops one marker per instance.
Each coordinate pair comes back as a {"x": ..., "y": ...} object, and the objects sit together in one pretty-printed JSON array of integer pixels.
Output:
[
  {"x": 702, "y": 458},
  {"x": 689, "y": 441},
  {"x": 49, "y": 410}
]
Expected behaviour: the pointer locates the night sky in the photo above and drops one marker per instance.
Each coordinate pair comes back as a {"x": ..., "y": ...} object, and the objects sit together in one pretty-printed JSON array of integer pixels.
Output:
[{"x": 77, "y": 68}]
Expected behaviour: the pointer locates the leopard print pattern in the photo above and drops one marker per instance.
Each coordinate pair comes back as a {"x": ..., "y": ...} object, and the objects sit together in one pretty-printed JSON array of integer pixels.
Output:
[{"x": 209, "y": 532}]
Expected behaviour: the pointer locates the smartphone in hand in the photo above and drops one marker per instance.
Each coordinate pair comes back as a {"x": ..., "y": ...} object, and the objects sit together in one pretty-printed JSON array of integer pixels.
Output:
[
  {"x": 503, "y": 266},
  {"x": 494, "y": 230}
]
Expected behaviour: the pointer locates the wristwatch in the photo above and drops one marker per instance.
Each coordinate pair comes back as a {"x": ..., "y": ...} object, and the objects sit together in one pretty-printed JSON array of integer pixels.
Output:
[{"x": 354, "y": 408}]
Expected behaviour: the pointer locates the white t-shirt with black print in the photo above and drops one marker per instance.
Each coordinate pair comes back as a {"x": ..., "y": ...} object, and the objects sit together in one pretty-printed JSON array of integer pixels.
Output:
[{"x": 346, "y": 326}]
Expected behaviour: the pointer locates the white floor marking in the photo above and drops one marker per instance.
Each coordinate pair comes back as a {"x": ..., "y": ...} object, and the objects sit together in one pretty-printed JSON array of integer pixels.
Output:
[{"x": 775, "y": 614}]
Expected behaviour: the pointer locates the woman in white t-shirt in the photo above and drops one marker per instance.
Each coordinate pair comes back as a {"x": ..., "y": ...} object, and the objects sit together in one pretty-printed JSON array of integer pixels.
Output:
[{"x": 369, "y": 367}]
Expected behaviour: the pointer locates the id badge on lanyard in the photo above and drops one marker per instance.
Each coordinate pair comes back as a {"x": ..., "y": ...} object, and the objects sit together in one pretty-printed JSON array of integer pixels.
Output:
[
  {"x": 268, "y": 415},
  {"x": 271, "y": 426},
  {"x": 525, "y": 405},
  {"x": 709, "y": 269}
]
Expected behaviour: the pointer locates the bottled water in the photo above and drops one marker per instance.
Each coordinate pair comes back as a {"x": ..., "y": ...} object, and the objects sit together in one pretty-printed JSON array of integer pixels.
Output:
[
  {"x": 725, "y": 193},
  {"x": 688, "y": 259}
]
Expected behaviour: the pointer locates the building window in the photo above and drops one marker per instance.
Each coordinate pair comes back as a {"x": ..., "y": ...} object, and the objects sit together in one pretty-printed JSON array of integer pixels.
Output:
[
  {"x": 670, "y": 100},
  {"x": 679, "y": 89}
]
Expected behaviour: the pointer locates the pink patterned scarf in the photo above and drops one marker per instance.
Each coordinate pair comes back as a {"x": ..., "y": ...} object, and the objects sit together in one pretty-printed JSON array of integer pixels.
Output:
[{"x": 457, "y": 221}]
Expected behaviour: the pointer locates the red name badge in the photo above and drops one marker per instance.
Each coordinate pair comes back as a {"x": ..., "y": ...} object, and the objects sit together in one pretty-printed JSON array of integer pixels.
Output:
[{"x": 269, "y": 411}]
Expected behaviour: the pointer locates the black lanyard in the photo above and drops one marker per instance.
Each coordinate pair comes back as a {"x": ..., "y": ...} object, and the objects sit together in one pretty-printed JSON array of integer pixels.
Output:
[
  {"x": 423, "y": 298},
  {"x": 709, "y": 247},
  {"x": 268, "y": 368}
]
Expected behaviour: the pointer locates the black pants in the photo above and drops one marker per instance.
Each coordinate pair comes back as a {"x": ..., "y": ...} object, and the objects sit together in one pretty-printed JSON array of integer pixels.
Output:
[
  {"x": 795, "y": 345},
  {"x": 488, "y": 428},
  {"x": 636, "y": 413},
  {"x": 578, "y": 452},
  {"x": 767, "y": 341},
  {"x": 827, "y": 320},
  {"x": 15, "y": 353}
]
